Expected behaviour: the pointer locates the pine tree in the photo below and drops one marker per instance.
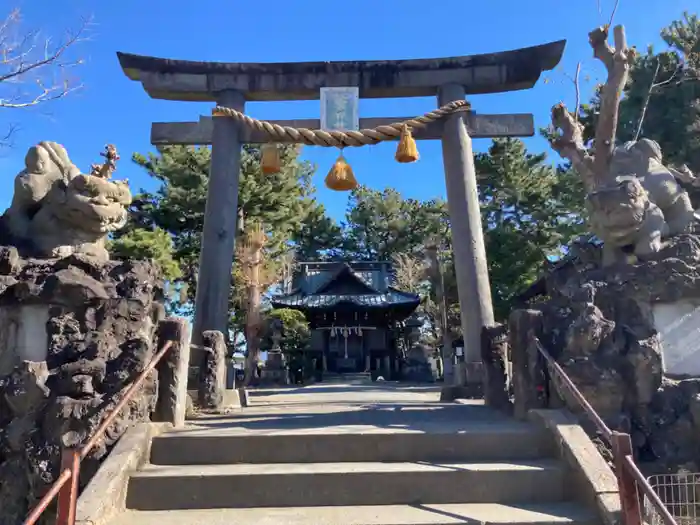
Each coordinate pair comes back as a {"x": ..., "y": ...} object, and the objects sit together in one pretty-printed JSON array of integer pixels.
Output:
[
  {"x": 283, "y": 202},
  {"x": 380, "y": 224},
  {"x": 529, "y": 211}
]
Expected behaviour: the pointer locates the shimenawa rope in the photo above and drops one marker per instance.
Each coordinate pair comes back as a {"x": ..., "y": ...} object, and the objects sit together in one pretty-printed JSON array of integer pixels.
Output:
[{"x": 340, "y": 139}]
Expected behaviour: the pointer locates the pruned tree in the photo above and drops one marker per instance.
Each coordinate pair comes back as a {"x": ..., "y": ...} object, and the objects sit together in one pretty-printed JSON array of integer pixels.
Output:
[
  {"x": 662, "y": 97},
  {"x": 568, "y": 140},
  {"x": 253, "y": 274},
  {"x": 296, "y": 333},
  {"x": 409, "y": 272},
  {"x": 634, "y": 199},
  {"x": 438, "y": 309},
  {"x": 34, "y": 68}
]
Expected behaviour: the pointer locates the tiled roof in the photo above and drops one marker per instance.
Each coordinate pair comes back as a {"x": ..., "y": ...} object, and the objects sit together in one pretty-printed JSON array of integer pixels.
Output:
[
  {"x": 392, "y": 297},
  {"x": 345, "y": 271}
]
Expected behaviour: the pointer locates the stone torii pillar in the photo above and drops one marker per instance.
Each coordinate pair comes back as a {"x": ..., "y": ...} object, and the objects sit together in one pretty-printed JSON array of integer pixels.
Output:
[
  {"x": 220, "y": 222},
  {"x": 471, "y": 268},
  {"x": 231, "y": 84}
]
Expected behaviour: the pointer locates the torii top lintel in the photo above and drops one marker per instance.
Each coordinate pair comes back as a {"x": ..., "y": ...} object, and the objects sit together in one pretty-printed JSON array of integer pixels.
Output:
[{"x": 199, "y": 81}]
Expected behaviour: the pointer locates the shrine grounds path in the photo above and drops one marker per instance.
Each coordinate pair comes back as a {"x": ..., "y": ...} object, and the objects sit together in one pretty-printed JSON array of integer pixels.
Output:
[{"x": 337, "y": 408}]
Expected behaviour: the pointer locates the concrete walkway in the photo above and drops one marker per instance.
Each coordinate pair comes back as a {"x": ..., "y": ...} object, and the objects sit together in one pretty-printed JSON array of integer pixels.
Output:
[{"x": 344, "y": 408}]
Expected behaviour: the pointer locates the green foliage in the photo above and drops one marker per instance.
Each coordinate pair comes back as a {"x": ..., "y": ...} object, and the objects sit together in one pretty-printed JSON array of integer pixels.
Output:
[
  {"x": 380, "y": 224},
  {"x": 295, "y": 329},
  {"x": 529, "y": 211},
  {"x": 683, "y": 35},
  {"x": 177, "y": 206},
  {"x": 153, "y": 244},
  {"x": 282, "y": 202},
  {"x": 319, "y": 237}
]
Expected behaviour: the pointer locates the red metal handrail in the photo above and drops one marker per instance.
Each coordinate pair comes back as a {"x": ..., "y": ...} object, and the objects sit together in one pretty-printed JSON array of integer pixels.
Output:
[
  {"x": 626, "y": 471},
  {"x": 70, "y": 462}
]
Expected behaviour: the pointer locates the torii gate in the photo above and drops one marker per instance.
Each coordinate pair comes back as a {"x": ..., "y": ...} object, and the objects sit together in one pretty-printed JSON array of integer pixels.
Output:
[{"x": 232, "y": 84}]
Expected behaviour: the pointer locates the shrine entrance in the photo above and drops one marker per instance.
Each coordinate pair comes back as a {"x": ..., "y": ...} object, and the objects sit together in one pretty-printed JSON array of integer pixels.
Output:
[
  {"x": 230, "y": 85},
  {"x": 346, "y": 350}
]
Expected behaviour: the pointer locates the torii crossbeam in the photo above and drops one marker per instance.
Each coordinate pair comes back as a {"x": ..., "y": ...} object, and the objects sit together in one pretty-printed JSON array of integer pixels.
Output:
[
  {"x": 232, "y": 84},
  {"x": 479, "y": 126}
]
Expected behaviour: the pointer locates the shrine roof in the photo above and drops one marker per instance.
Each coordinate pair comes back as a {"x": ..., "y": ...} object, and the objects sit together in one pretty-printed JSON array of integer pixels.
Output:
[
  {"x": 172, "y": 79},
  {"x": 369, "y": 281},
  {"x": 329, "y": 285},
  {"x": 393, "y": 297}
]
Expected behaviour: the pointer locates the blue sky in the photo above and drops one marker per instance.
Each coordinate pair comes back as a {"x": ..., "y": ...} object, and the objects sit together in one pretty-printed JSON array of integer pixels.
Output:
[{"x": 110, "y": 108}]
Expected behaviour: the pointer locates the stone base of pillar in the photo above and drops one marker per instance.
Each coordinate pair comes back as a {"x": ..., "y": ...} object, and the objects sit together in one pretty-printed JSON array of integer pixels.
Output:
[
  {"x": 230, "y": 375},
  {"x": 242, "y": 397},
  {"x": 231, "y": 399},
  {"x": 459, "y": 377},
  {"x": 452, "y": 392},
  {"x": 448, "y": 370},
  {"x": 470, "y": 385},
  {"x": 473, "y": 373}
]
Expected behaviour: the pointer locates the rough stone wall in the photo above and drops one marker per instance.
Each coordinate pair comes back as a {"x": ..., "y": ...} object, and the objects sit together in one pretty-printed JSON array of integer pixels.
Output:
[
  {"x": 598, "y": 324},
  {"x": 75, "y": 333}
]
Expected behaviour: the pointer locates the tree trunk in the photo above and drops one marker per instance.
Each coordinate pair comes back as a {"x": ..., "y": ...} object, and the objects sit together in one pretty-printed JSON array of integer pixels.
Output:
[
  {"x": 439, "y": 284},
  {"x": 253, "y": 319}
]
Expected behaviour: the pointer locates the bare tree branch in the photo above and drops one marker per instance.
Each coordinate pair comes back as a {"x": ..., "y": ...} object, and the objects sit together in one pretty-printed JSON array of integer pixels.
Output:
[
  {"x": 617, "y": 61},
  {"x": 652, "y": 88},
  {"x": 33, "y": 70},
  {"x": 7, "y": 139},
  {"x": 577, "y": 87},
  {"x": 569, "y": 144},
  {"x": 614, "y": 11},
  {"x": 568, "y": 141}
]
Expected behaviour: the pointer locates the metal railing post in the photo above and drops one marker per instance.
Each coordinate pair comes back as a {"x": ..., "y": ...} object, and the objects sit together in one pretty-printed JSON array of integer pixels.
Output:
[
  {"x": 628, "y": 475},
  {"x": 68, "y": 495},
  {"x": 626, "y": 484}
]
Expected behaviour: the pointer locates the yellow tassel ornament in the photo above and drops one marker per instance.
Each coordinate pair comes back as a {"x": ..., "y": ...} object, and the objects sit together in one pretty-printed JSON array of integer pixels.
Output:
[
  {"x": 407, "y": 151},
  {"x": 270, "y": 159},
  {"x": 341, "y": 177}
]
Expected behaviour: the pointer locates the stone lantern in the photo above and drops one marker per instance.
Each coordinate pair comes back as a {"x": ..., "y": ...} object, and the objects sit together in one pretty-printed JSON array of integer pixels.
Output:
[
  {"x": 413, "y": 326},
  {"x": 417, "y": 366},
  {"x": 275, "y": 370}
]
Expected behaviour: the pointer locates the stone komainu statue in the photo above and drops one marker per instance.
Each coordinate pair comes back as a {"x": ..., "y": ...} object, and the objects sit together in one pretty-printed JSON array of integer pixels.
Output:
[
  {"x": 622, "y": 215},
  {"x": 57, "y": 211},
  {"x": 643, "y": 160},
  {"x": 642, "y": 203}
]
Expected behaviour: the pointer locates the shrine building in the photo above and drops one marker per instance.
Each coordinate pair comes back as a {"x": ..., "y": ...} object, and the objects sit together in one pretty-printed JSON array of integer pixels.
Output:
[{"x": 354, "y": 313}]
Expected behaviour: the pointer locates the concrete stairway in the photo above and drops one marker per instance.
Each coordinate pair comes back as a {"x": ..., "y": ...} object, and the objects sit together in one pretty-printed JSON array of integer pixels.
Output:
[
  {"x": 413, "y": 466},
  {"x": 348, "y": 378}
]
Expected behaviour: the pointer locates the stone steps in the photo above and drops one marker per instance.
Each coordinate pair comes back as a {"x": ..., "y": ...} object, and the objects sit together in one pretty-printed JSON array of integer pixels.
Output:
[
  {"x": 347, "y": 378},
  {"x": 327, "y": 484},
  {"x": 355, "y": 455},
  {"x": 560, "y": 513},
  {"x": 480, "y": 443}
]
